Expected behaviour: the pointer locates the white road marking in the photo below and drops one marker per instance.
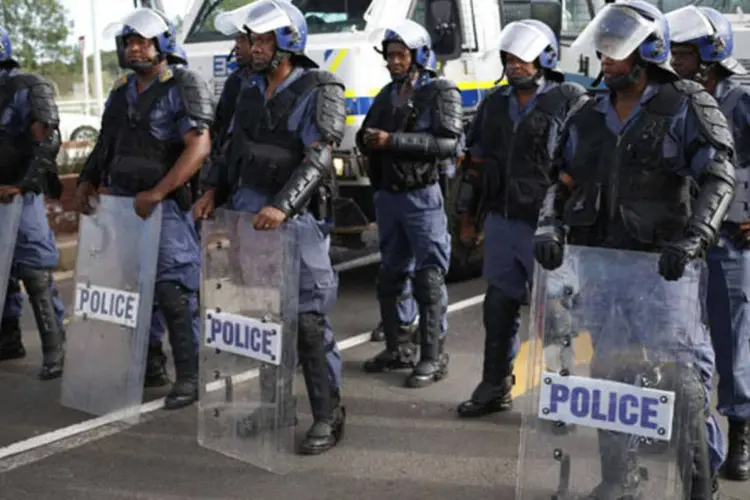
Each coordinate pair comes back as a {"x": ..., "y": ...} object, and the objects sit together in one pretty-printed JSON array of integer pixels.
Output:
[{"x": 45, "y": 445}]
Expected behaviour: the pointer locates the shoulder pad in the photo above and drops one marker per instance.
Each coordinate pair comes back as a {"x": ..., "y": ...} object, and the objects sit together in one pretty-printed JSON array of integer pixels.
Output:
[
  {"x": 449, "y": 109},
  {"x": 120, "y": 82},
  {"x": 323, "y": 77},
  {"x": 167, "y": 74},
  {"x": 330, "y": 107},
  {"x": 42, "y": 105},
  {"x": 714, "y": 125},
  {"x": 572, "y": 90},
  {"x": 196, "y": 96},
  {"x": 578, "y": 107},
  {"x": 442, "y": 84}
]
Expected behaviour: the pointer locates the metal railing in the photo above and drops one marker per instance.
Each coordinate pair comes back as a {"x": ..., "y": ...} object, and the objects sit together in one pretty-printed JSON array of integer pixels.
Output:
[{"x": 81, "y": 107}]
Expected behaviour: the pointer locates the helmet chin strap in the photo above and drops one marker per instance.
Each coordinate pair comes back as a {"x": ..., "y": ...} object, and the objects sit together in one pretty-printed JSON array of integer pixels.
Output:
[
  {"x": 622, "y": 82},
  {"x": 272, "y": 65},
  {"x": 526, "y": 82}
]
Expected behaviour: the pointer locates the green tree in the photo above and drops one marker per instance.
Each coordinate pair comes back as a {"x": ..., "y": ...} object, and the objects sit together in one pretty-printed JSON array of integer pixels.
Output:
[{"x": 39, "y": 30}]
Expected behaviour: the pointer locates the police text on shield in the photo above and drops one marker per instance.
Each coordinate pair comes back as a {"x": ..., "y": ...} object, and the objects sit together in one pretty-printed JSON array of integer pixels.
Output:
[
  {"x": 608, "y": 405},
  {"x": 244, "y": 336},
  {"x": 107, "y": 304}
]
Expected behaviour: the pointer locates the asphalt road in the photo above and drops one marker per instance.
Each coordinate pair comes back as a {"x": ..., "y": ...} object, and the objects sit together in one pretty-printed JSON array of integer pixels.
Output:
[{"x": 399, "y": 443}]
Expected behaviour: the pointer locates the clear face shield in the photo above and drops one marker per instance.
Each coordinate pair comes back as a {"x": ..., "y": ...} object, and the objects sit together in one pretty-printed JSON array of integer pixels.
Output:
[
  {"x": 231, "y": 23},
  {"x": 523, "y": 41},
  {"x": 144, "y": 22},
  {"x": 615, "y": 32},
  {"x": 688, "y": 23}
]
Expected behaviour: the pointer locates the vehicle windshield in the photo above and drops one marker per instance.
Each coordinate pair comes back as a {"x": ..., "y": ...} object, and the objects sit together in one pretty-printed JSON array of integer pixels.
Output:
[{"x": 323, "y": 16}]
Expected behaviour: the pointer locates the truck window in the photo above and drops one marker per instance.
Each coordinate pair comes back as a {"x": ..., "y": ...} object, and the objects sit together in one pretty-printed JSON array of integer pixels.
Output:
[{"x": 323, "y": 16}]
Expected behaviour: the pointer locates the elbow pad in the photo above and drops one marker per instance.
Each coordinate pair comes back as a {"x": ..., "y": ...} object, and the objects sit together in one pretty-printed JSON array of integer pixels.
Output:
[
  {"x": 42, "y": 171},
  {"x": 422, "y": 145},
  {"x": 714, "y": 199},
  {"x": 305, "y": 179}
]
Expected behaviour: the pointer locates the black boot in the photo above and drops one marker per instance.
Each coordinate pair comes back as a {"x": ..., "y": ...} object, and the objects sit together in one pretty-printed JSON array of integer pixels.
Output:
[
  {"x": 400, "y": 351},
  {"x": 325, "y": 432},
  {"x": 377, "y": 334},
  {"x": 488, "y": 398},
  {"x": 174, "y": 302},
  {"x": 325, "y": 402},
  {"x": 11, "y": 346},
  {"x": 156, "y": 366},
  {"x": 433, "y": 361},
  {"x": 493, "y": 394},
  {"x": 737, "y": 464},
  {"x": 38, "y": 283}
]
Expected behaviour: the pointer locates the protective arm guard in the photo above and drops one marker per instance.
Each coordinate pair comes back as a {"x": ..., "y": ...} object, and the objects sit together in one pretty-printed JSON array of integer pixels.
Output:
[
  {"x": 305, "y": 180},
  {"x": 196, "y": 97},
  {"x": 447, "y": 128},
  {"x": 41, "y": 175},
  {"x": 469, "y": 191},
  {"x": 714, "y": 199},
  {"x": 551, "y": 222},
  {"x": 42, "y": 106}
]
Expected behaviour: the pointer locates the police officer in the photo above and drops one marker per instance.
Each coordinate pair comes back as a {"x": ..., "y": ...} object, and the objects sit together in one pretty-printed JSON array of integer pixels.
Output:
[
  {"x": 510, "y": 146},
  {"x": 285, "y": 173},
  {"x": 627, "y": 163},
  {"x": 703, "y": 53},
  {"x": 29, "y": 143},
  {"x": 154, "y": 140},
  {"x": 414, "y": 123}
]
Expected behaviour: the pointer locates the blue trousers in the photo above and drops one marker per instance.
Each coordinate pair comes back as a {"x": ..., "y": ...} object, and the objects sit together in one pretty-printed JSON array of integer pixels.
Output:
[
  {"x": 318, "y": 281},
  {"x": 729, "y": 319}
]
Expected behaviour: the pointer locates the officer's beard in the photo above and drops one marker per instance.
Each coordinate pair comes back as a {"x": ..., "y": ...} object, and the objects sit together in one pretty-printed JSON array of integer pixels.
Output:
[
  {"x": 270, "y": 66},
  {"x": 143, "y": 67},
  {"x": 622, "y": 82},
  {"x": 525, "y": 82},
  {"x": 401, "y": 78}
]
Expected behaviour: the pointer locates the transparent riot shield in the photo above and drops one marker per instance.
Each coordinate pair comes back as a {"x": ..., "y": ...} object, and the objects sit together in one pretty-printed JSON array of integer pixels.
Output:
[
  {"x": 107, "y": 339},
  {"x": 10, "y": 219},
  {"x": 617, "y": 406},
  {"x": 249, "y": 296}
]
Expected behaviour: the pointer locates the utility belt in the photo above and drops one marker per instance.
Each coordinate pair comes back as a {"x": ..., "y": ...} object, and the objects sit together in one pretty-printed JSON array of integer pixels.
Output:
[{"x": 403, "y": 177}]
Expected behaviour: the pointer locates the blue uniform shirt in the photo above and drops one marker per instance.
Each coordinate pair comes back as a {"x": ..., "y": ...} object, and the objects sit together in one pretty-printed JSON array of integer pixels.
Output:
[
  {"x": 169, "y": 122},
  {"x": 683, "y": 131},
  {"x": 740, "y": 121},
  {"x": 15, "y": 121},
  {"x": 516, "y": 113},
  {"x": 302, "y": 119}
]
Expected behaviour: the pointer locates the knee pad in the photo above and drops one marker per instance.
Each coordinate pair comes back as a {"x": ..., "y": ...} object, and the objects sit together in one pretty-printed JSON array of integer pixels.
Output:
[
  {"x": 311, "y": 334},
  {"x": 428, "y": 285},
  {"x": 390, "y": 284}
]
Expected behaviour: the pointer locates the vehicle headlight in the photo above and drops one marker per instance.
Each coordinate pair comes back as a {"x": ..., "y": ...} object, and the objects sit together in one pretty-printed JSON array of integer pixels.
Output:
[{"x": 338, "y": 165}]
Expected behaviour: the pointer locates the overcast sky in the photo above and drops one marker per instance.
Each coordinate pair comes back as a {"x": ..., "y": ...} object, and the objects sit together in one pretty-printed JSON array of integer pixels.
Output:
[{"x": 109, "y": 11}]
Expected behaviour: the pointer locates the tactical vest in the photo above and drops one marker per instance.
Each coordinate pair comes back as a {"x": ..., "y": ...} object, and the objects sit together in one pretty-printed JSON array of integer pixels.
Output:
[
  {"x": 626, "y": 195},
  {"x": 263, "y": 151},
  {"x": 136, "y": 160},
  {"x": 227, "y": 103},
  {"x": 387, "y": 170},
  {"x": 516, "y": 173},
  {"x": 15, "y": 150},
  {"x": 740, "y": 209}
]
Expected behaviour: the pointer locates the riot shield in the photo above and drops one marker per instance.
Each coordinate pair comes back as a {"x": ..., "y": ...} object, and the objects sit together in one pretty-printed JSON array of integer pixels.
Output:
[
  {"x": 10, "y": 219},
  {"x": 107, "y": 341},
  {"x": 249, "y": 297},
  {"x": 616, "y": 408}
]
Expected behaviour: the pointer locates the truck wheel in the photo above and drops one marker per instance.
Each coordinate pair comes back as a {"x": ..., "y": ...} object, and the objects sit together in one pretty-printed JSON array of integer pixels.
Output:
[{"x": 466, "y": 263}]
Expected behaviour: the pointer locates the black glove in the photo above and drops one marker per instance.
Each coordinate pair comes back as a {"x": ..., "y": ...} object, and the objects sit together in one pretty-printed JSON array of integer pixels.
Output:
[
  {"x": 675, "y": 256},
  {"x": 549, "y": 246},
  {"x": 739, "y": 238}
]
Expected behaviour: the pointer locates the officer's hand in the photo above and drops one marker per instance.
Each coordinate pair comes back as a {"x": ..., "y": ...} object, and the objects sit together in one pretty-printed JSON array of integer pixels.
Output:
[
  {"x": 84, "y": 194},
  {"x": 375, "y": 138},
  {"x": 145, "y": 202},
  {"x": 741, "y": 237},
  {"x": 204, "y": 207},
  {"x": 675, "y": 256},
  {"x": 7, "y": 193},
  {"x": 467, "y": 233},
  {"x": 549, "y": 249},
  {"x": 269, "y": 218}
]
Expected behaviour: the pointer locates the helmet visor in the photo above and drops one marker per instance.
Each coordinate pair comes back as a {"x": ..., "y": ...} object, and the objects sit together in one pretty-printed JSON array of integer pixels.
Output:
[{"x": 615, "y": 32}]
